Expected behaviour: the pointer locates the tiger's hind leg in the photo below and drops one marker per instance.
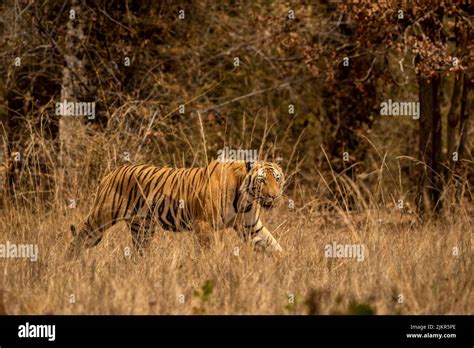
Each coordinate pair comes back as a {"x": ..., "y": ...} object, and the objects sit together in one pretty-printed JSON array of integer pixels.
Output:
[{"x": 142, "y": 230}]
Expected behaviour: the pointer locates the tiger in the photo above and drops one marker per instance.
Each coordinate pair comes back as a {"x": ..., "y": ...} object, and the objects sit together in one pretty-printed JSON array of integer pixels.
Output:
[{"x": 223, "y": 194}]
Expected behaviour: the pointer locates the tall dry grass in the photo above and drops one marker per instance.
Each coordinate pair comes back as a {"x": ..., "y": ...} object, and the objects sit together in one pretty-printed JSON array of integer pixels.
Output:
[
  {"x": 405, "y": 258},
  {"x": 401, "y": 258},
  {"x": 409, "y": 267}
]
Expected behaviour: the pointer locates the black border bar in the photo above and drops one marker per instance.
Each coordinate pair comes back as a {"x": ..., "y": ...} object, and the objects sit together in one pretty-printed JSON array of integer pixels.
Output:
[{"x": 197, "y": 330}]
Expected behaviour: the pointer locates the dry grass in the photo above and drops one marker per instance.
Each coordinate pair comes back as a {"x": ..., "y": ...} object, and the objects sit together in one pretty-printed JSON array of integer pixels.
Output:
[
  {"x": 401, "y": 257},
  {"x": 186, "y": 63}
]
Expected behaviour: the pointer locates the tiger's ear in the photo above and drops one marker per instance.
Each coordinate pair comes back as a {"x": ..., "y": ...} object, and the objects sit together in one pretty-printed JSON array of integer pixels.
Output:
[
  {"x": 279, "y": 160},
  {"x": 73, "y": 230}
]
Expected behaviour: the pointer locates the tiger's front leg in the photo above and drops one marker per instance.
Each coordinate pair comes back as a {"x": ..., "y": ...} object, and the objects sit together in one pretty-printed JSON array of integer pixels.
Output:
[
  {"x": 203, "y": 233},
  {"x": 252, "y": 229},
  {"x": 265, "y": 241}
]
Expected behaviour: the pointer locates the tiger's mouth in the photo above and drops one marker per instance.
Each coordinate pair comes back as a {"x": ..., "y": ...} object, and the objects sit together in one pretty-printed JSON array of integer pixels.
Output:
[{"x": 266, "y": 203}]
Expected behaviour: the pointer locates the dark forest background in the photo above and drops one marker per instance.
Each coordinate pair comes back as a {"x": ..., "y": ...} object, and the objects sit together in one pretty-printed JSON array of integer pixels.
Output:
[{"x": 175, "y": 81}]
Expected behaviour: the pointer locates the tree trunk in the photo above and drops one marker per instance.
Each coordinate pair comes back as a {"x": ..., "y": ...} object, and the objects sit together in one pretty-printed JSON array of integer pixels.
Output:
[
  {"x": 453, "y": 117},
  {"x": 430, "y": 184},
  {"x": 466, "y": 111},
  {"x": 74, "y": 87}
]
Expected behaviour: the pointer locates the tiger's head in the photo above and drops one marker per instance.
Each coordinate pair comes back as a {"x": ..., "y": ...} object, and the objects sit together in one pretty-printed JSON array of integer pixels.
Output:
[{"x": 265, "y": 182}]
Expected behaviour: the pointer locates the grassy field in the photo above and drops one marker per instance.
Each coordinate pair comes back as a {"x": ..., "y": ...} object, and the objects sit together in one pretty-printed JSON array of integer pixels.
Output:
[
  {"x": 408, "y": 268},
  {"x": 88, "y": 86}
]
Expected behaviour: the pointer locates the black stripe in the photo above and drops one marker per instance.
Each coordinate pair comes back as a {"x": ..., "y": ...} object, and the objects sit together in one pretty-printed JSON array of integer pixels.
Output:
[
  {"x": 117, "y": 211},
  {"x": 236, "y": 201},
  {"x": 191, "y": 185},
  {"x": 170, "y": 216},
  {"x": 115, "y": 184},
  {"x": 251, "y": 226},
  {"x": 146, "y": 190},
  {"x": 108, "y": 184},
  {"x": 132, "y": 194},
  {"x": 248, "y": 208},
  {"x": 212, "y": 171},
  {"x": 139, "y": 190},
  {"x": 248, "y": 166},
  {"x": 154, "y": 189},
  {"x": 132, "y": 170},
  {"x": 177, "y": 175},
  {"x": 256, "y": 231},
  {"x": 151, "y": 172},
  {"x": 160, "y": 189}
]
